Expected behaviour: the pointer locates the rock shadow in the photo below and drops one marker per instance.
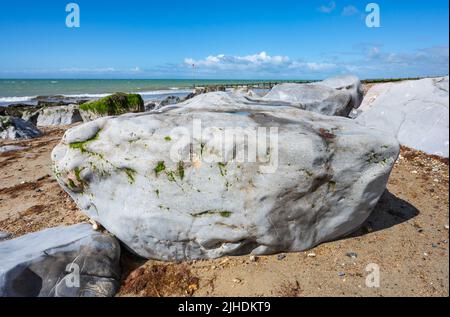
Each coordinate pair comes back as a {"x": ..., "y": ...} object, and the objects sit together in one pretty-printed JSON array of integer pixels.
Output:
[{"x": 389, "y": 212}]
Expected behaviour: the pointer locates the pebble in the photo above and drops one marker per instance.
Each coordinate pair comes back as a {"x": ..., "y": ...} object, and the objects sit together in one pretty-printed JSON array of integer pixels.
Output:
[
  {"x": 311, "y": 255},
  {"x": 414, "y": 172},
  {"x": 237, "y": 281},
  {"x": 253, "y": 258},
  {"x": 446, "y": 227},
  {"x": 281, "y": 257},
  {"x": 341, "y": 274},
  {"x": 352, "y": 255},
  {"x": 4, "y": 235}
]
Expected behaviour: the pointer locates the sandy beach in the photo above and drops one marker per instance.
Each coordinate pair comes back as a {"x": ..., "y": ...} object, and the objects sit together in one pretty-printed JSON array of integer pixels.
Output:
[{"x": 406, "y": 236}]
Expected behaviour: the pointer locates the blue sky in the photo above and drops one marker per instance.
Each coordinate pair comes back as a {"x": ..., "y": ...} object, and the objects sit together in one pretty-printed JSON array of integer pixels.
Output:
[{"x": 295, "y": 39}]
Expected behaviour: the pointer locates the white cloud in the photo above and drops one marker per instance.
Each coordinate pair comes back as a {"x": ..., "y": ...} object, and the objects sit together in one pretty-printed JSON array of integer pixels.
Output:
[
  {"x": 366, "y": 61},
  {"x": 87, "y": 70},
  {"x": 350, "y": 10},
  {"x": 328, "y": 8},
  {"x": 223, "y": 61}
]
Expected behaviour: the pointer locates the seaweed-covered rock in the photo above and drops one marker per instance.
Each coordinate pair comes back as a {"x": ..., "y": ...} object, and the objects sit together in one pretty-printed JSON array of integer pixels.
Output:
[
  {"x": 70, "y": 261},
  {"x": 416, "y": 112},
  {"x": 62, "y": 115},
  {"x": 181, "y": 183},
  {"x": 16, "y": 128},
  {"x": 113, "y": 105}
]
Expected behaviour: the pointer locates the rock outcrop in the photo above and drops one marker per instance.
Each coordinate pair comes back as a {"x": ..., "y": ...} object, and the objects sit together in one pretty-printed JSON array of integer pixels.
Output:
[
  {"x": 416, "y": 112},
  {"x": 350, "y": 84},
  {"x": 55, "y": 116},
  {"x": 70, "y": 261},
  {"x": 113, "y": 105},
  {"x": 315, "y": 98},
  {"x": 16, "y": 128},
  {"x": 171, "y": 100},
  {"x": 219, "y": 177}
]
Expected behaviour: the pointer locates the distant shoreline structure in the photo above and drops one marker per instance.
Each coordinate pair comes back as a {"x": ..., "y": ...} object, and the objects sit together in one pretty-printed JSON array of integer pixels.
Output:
[{"x": 30, "y": 91}]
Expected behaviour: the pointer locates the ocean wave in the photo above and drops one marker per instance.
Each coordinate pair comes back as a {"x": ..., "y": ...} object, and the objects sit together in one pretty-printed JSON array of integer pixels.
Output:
[
  {"x": 17, "y": 99},
  {"x": 98, "y": 95}
]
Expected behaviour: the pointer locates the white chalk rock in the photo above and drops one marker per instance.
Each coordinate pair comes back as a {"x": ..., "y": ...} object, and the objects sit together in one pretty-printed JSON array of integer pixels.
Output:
[
  {"x": 416, "y": 112},
  {"x": 181, "y": 184},
  {"x": 62, "y": 115},
  {"x": 15, "y": 128},
  {"x": 315, "y": 98},
  {"x": 72, "y": 261},
  {"x": 350, "y": 84}
]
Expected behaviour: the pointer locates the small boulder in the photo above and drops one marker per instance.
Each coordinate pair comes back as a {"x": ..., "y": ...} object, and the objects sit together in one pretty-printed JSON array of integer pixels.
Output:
[
  {"x": 113, "y": 105},
  {"x": 171, "y": 100},
  {"x": 16, "y": 128},
  {"x": 315, "y": 98},
  {"x": 70, "y": 261},
  {"x": 350, "y": 84},
  {"x": 62, "y": 115}
]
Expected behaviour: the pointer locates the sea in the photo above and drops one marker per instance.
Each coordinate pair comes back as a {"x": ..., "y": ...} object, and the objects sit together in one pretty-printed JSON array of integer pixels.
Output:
[{"x": 28, "y": 91}]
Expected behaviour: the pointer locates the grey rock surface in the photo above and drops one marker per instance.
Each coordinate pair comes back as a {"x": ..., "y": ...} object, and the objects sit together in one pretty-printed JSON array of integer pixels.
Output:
[
  {"x": 12, "y": 128},
  {"x": 170, "y": 193},
  {"x": 70, "y": 261},
  {"x": 62, "y": 115},
  {"x": 316, "y": 98},
  {"x": 416, "y": 112}
]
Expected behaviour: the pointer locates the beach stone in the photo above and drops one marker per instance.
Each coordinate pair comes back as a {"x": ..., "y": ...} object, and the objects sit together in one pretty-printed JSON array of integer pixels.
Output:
[
  {"x": 348, "y": 83},
  {"x": 70, "y": 261},
  {"x": 149, "y": 106},
  {"x": 415, "y": 111},
  {"x": 4, "y": 235},
  {"x": 171, "y": 194},
  {"x": 113, "y": 105},
  {"x": 61, "y": 115},
  {"x": 11, "y": 148},
  {"x": 13, "y": 128},
  {"x": 31, "y": 116},
  {"x": 171, "y": 100},
  {"x": 316, "y": 98}
]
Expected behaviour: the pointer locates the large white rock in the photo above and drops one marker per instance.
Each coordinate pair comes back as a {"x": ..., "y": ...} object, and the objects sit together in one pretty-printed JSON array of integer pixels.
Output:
[
  {"x": 315, "y": 98},
  {"x": 15, "y": 128},
  {"x": 72, "y": 261},
  {"x": 62, "y": 115},
  {"x": 416, "y": 112},
  {"x": 348, "y": 83},
  {"x": 315, "y": 178}
]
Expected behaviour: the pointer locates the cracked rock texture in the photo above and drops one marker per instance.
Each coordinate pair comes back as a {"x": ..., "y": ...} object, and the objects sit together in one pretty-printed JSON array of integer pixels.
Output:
[
  {"x": 170, "y": 193},
  {"x": 62, "y": 115},
  {"x": 13, "y": 128},
  {"x": 416, "y": 112},
  {"x": 70, "y": 261}
]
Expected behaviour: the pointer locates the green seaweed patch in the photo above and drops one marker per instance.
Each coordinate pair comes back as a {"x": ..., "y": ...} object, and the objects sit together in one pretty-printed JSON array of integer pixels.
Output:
[
  {"x": 82, "y": 145},
  {"x": 131, "y": 174},
  {"x": 171, "y": 176},
  {"x": 180, "y": 170},
  {"x": 222, "y": 168},
  {"x": 115, "y": 104},
  {"x": 168, "y": 138},
  {"x": 332, "y": 185},
  {"x": 222, "y": 213},
  {"x": 375, "y": 158},
  {"x": 160, "y": 167},
  {"x": 157, "y": 193}
]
